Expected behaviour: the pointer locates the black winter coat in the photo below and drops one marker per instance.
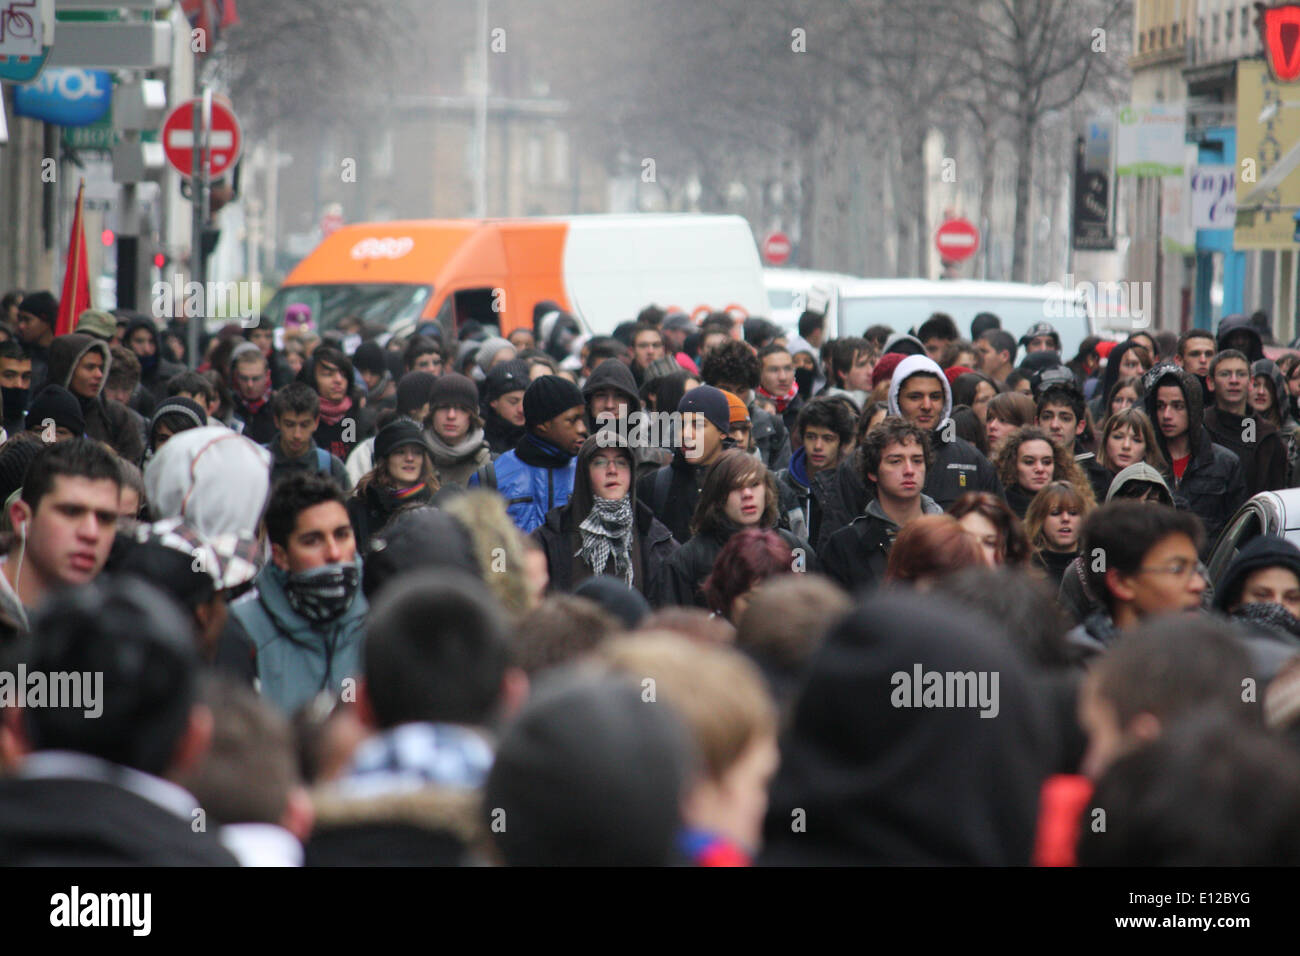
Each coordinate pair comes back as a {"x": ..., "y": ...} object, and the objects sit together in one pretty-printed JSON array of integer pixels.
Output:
[
  {"x": 653, "y": 547},
  {"x": 856, "y": 556},
  {"x": 1263, "y": 460},
  {"x": 1213, "y": 483},
  {"x": 676, "y": 508},
  {"x": 958, "y": 467},
  {"x": 79, "y": 822},
  {"x": 691, "y": 565},
  {"x": 370, "y": 509},
  {"x": 842, "y": 496}
]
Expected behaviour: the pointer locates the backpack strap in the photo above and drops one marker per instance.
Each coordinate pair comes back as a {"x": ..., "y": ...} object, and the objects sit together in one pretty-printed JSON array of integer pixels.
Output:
[
  {"x": 663, "y": 484},
  {"x": 322, "y": 461}
]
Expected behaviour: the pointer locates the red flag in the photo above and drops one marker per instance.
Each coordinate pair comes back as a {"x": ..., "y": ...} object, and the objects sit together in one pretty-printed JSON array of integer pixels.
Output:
[{"x": 76, "y": 276}]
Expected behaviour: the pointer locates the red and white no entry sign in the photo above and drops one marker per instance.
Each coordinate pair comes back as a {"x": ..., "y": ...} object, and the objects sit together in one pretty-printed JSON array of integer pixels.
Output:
[
  {"x": 777, "y": 248},
  {"x": 225, "y": 140},
  {"x": 957, "y": 239}
]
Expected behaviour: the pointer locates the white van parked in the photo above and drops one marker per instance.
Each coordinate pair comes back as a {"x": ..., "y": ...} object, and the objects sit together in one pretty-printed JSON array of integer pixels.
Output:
[
  {"x": 791, "y": 291},
  {"x": 903, "y": 304}
]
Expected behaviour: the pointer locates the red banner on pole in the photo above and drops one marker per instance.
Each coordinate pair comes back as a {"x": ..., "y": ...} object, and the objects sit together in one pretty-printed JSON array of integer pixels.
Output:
[{"x": 76, "y": 277}]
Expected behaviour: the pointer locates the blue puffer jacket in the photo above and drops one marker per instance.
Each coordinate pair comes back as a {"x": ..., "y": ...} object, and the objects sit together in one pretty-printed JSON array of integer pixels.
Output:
[
  {"x": 533, "y": 477},
  {"x": 295, "y": 658}
]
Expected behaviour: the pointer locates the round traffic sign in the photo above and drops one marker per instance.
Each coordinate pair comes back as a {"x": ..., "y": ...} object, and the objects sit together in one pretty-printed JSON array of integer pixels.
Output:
[
  {"x": 225, "y": 139},
  {"x": 957, "y": 240},
  {"x": 777, "y": 248}
]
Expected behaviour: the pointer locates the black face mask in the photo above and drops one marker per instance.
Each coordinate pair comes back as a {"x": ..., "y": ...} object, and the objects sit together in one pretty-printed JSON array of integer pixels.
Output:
[
  {"x": 15, "y": 402},
  {"x": 322, "y": 594},
  {"x": 803, "y": 377}
]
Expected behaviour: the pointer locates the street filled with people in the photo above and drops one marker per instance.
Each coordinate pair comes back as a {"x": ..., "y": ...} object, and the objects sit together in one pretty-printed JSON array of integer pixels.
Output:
[{"x": 703, "y": 591}]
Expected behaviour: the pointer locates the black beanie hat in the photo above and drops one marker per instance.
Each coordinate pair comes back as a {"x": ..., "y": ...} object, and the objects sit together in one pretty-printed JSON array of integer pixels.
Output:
[
  {"x": 369, "y": 357},
  {"x": 452, "y": 388},
  {"x": 14, "y": 461},
  {"x": 711, "y": 403},
  {"x": 507, "y": 377},
  {"x": 588, "y": 775},
  {"x": 43, "y": 305},
  {"x": 57, "y": 403},
  {"x": 398, "y": 434},
  {"x": 179, "y": 405},
  {"x": 549, "y": 396},
  {"x": 413, "y": 390}
]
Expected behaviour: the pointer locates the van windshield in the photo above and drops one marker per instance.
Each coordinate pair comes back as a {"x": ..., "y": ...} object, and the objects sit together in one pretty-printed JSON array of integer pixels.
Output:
[
  {"x": 902, "y": 313},
  {"x": 384, "y": 305}
]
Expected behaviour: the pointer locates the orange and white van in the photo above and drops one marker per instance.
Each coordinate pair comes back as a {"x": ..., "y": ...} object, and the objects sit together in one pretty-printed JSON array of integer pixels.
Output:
[{"x": 604, "y": 269}]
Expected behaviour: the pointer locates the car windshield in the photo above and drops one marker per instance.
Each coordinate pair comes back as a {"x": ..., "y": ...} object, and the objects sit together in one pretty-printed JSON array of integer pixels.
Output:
[
  {"x": 902, "y": 313},
  {"x": 382, "y": 304}
]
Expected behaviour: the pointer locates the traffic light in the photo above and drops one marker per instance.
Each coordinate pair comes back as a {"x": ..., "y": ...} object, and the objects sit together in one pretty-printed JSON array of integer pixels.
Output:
[
  {"x": 107, "y": 238},
  {"x": 160, "y": 260}
]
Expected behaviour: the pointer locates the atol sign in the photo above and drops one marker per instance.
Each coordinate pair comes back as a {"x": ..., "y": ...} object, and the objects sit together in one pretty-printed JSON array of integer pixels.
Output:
[
  {"x": 1279, "y": 28},
  {"x": 64, "y": 96}
]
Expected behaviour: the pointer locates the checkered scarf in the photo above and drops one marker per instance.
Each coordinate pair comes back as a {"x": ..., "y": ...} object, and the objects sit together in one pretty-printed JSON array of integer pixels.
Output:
[{"x": 607, "y": 532}]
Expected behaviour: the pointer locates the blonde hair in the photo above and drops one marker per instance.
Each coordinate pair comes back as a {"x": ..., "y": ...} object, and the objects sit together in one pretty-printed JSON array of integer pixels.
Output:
[
  {"x": 497, "y": 544},
  {"x": 1051, "y": 495},
  {"x": 717, "y": 690}
]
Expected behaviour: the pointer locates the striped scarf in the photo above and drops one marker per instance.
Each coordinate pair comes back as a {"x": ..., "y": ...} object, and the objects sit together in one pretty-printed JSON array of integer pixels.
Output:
[{"x": 606, "y": 532}]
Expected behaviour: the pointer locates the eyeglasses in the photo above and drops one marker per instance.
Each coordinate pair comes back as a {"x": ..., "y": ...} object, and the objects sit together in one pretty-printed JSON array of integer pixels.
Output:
[
  {"x": 619, "y": 462},
  {"x": 1180, "y": 569}
]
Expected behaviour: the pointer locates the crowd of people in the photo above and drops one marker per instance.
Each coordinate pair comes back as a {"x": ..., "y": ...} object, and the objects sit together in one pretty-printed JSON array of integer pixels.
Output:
[{"x": 900, "y": 598}]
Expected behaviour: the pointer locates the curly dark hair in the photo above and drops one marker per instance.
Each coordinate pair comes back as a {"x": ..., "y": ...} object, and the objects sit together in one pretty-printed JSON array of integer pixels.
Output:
[
  {"x": 731, "y": 363},
  {"x": 891, "y": 431}
]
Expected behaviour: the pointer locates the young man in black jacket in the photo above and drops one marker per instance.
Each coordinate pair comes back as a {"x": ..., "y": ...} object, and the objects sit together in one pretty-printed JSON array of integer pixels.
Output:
[
  {"x": 825, "y": 430},
  {"x": 1252, "y": 438},
  {"x": 896, "y": 457},
  {"x": 673, "y": 490},
  {"x": 1207, "y": 475},
  {"x": 919, "y": 392}
]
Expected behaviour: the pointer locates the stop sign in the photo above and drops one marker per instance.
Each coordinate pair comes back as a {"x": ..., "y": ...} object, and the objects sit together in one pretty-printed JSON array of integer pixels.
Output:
[
  {"x": 957, "y": 240},
  {"x": 777, "y": 248},
  {"x": 225, "y": 140}
]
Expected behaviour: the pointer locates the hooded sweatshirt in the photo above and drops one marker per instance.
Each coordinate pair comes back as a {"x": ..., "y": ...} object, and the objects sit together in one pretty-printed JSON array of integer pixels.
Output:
[
  {"x": 213, "y": 479},
  {"x": 1212, "y": 483},
  {"x": 1268, "y": 620},
  {"x": 958, "y": 465},
  {"x": 928, "y": 785},
  {"x": 106, "y": 420},
  {"x": 652, "y": 543},
  {"x": 155, "y": 371}
]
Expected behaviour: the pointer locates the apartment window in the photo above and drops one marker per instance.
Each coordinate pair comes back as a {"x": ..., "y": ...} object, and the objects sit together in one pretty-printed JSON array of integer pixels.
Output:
[
  {"x": 1214, "y": 28},
  {"x": 1245, "y": 21},
  {"x": 1162, "y": 37},
  {"x": 1142, "y": 42},
  {"x": 533, "y": 161},
  {"x": 559, "y": 157},
  {"x": 1173, "y": 33},
  {"x": 1227, "y": 25}
]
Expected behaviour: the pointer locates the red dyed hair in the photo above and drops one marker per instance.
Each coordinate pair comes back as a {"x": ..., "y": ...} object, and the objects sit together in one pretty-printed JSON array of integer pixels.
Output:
[
  {"x": 748, "y": 558},
  {"x": 932, "y": 545}
]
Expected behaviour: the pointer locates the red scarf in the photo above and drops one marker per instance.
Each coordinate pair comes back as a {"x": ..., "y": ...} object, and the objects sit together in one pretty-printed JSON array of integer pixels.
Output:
[
  {"x": 782, "y": 402},
  {"x": 255, "y": 405},
  {"x": 331, "y": 413}
]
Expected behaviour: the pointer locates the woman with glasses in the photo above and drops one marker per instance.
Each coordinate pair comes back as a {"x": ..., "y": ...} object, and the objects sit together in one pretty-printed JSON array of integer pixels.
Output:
[{"x": 603, "y": 529}]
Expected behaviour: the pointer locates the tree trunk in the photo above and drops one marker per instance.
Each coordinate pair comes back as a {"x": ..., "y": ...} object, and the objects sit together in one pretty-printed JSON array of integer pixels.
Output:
[
  {"x": 807, "y": 201},
  {"x": 1024, "y": 139},
  {"x": 988, "y": 179}
]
